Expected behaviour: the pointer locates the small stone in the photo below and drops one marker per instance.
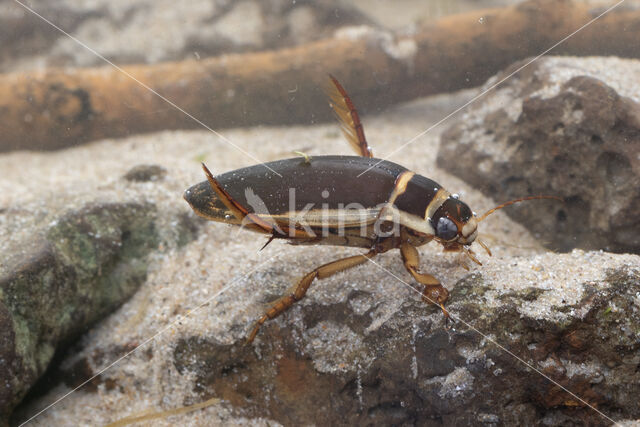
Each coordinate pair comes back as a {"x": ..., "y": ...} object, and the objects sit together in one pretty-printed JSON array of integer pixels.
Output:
[
  {"x": 566, "y": 127},
  {"x": 145, "y": 173}
]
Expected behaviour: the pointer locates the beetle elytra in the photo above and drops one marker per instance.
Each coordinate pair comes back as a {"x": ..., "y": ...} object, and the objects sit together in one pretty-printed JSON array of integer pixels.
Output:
[{"x": 389, "y": 207}]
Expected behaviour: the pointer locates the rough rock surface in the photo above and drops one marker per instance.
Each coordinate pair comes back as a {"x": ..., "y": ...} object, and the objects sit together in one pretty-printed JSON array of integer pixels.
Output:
[
  {"x": 64, "y": 268},
  {"x": 365, "y": 358},
  {"x": 89, "y": 263},
  {"x": 150, "y": 31},
  {"x": 568, "y": 127}
]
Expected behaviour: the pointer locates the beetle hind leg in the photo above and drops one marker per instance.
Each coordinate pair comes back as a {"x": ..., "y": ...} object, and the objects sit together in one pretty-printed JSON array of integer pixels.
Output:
[
  {"x": 326, "y": 270},
  {"x": 433, "y": 292}
]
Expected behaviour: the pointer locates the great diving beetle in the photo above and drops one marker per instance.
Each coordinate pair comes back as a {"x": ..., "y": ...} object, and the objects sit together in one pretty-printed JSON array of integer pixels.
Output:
[{"x": 389, "y": 207}]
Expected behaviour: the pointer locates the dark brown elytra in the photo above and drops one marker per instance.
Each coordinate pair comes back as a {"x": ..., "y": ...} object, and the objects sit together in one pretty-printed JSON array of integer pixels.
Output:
[{"x": 388, "y": 196}]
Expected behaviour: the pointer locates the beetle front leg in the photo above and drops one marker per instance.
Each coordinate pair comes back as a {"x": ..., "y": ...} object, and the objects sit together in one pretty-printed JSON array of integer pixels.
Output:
[
  {"x": 433, "y": 291},
  {"x": 321, "y": 272}
]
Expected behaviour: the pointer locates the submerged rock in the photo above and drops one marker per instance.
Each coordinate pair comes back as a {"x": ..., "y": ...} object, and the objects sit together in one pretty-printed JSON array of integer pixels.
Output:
[
  {"x": 84, "y": 266},
  {"x": 144, "y": 173},
  {"x": 68, "y": 259},
  {"x": 153, "y": 31},
  {"x": 568, "y": 127},
  {"x": 333, "y": 362}
]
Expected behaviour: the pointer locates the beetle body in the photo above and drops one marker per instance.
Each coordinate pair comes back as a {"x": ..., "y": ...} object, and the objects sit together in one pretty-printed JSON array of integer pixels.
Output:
[
  {"x": 357, "y": 201},
  {"x": 312, "y": 195}
]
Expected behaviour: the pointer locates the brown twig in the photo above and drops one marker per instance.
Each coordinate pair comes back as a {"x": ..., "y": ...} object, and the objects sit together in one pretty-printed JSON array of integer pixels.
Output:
[{"x": 57, "y": 108}]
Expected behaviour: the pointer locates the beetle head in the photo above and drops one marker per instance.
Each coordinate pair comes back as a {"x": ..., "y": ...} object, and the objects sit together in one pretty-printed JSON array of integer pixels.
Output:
[
  {"x": 454, "y": 224},
  {"x": 456, "y": 227}
]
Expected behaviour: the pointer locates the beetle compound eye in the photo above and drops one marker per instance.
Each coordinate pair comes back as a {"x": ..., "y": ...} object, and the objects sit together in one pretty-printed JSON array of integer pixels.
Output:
[{"x": 446, "y": 229}]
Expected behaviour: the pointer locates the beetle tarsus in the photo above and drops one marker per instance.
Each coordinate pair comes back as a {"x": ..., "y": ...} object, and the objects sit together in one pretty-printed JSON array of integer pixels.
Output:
[
  {"x": 448, "y": 320},
  {"x": 253, "y": 334},
  {"x": 278, "y": 308}
]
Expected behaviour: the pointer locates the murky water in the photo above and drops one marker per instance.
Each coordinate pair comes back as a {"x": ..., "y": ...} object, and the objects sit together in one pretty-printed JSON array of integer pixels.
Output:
[{"x": 108, "y": 108}]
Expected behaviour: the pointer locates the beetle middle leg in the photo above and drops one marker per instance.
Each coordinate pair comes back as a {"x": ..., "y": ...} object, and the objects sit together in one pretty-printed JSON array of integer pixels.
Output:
[
  {"x": 433, "y": 291},
  {"x": 321, "y": 272}
]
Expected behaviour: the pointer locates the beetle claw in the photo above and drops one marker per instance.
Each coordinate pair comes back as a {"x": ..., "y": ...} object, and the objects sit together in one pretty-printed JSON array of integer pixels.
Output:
[{"x": 447, "y": 317}]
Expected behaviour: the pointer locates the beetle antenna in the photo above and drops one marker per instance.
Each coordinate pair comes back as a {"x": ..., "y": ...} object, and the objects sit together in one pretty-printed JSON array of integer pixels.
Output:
[{"x": 511, "y": 202}]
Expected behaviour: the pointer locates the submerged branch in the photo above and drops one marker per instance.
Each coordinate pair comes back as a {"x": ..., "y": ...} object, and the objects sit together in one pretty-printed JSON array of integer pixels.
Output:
[{"x": 58, "y": 108}]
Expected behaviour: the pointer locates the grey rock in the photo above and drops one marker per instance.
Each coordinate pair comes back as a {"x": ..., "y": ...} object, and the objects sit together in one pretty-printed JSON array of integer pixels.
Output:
[
  {"x": 24, "y": 36},
  {"x": 326, "y": 363},
  {"x": 70, "y": 270},
  {"x": 85, "y": 266},
  {"x": 144, "y": 173},
  {"x": 568, "y": 127},
  {"x": 151, "y": 31}
]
